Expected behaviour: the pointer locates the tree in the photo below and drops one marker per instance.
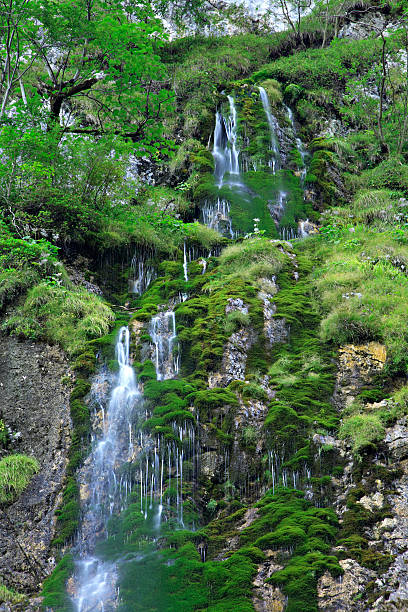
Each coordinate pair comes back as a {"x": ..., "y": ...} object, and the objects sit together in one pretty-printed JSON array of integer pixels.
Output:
[
  {"x": 291, "y": 12},
  {"x": 95, "y": 64},
  {"x": 15, "y": 58}
]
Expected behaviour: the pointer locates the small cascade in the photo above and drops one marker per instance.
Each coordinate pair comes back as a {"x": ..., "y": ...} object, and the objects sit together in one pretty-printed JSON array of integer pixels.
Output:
[
  {"x": 275, "y": 162},
  {"x": 288, "y": 233},
  {"x": 142, "y": 274},
  {"x": 162, "y": 474},
  {"x": 225, "y": 152},
  {"x": 185, "y": 264},
  {"x": 216, "y": 216},
  {"x": 277, "y": 208},
  {"x": 163, "y": 334},
  {"x": 299, "y": 144},
  {"x": 95, "y": 580},
  {"x": 226, "y": 170},
  {"x": 284, "y": 476}
]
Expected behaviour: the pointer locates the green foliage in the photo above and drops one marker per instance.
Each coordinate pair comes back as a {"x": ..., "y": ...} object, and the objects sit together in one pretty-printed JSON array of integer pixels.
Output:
[
  {"x": 391, "y": 174},
  {"x": 364, "y": 431},
  {"x": 301, "y": 373},
  {"x": 289, "y": 521},
  {"x": 60, "y": 315},
  {"x": 363, "y": 286},
  {"x": 105, "y": 59},
  {"x": 23, "y": 263},
  {"x": 250, "y": 260},
  {"x": 326, "y": 67},
  {"x": 235, "y": 320},
  {"x": 16, "y": 471},
  {"x": 169, "y": 400}
]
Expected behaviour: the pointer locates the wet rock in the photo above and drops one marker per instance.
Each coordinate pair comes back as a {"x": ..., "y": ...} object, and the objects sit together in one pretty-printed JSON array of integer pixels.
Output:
[
  {"x": 357, "y": 366},
  {"x": 34, "y": 401},
  {"x": 372, "y": 502},
  {"x": 268, "y": 598},
  {"x": 234, "y": 360},
  {"x": 77, "y": 273},
  {"x": 369, "y": 24},
  {"x": 209, "y": 463},
  {"x": 305, "y": 228},
  {"x": 276, "y": 330},
  {"x": 397, "y": 440},
  {"x": 335, "y": 594}
]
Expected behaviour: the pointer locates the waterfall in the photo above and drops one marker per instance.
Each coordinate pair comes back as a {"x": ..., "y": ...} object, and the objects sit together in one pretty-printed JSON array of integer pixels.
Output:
[
  {"x": 299, "y": 144},
  {"x": 216, "y": 214},
  {"x": 163, "y": 334},
  {"x": 275, "y": 162},
  {"x": 106, "y": 493},
  {"x": 185, "y": 265},
  {"x": 225, "y": 152},
  {"x": 95, "y": 580},
  {"x": 141, "y": 276},
  {"x": 299, "y": 480}
]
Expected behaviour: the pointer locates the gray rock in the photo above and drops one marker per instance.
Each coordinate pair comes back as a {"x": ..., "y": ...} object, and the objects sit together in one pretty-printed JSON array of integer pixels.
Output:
[{"x": 33, "y": 401}]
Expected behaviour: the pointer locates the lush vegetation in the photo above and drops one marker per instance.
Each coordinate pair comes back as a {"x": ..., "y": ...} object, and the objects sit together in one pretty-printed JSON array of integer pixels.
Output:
[{"x": 105, "y": 155}]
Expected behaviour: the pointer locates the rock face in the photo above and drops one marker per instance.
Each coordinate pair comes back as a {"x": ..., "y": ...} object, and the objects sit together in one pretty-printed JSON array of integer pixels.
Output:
[
  {"x": 34, "y": 403},
  {"x": 343, "y": 593},
  {"x": 235, "y": 353},
  {"x": 268, "y": 598},
  {"x": 360, "y": 588},
  {"x": 357, "y": 366},
  {"x": 371, "y": 23}
]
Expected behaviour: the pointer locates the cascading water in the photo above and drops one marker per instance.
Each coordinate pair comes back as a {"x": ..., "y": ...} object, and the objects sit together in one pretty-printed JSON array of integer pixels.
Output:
[
  {"x": 185, "y": 263},
  {"x": 94, "y": 579},
  {"x": 161, "y": 465},
  {"x": 277, "y": 208},
  {"x": 142, "y": 274},
  {"x": 299, "y": 144},
  {"x": 216, "y": 216},
  {"x": 163, "y": 334},
  {"x": 275, "y": 161},
  {"x": 225, "y": 152}
]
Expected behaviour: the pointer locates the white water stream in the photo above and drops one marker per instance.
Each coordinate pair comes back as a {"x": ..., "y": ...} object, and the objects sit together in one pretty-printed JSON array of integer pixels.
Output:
[
  {"x": 161, "y": 465},
  {"x": 95, "y": 580},
  {"x": 275, "y": 161}
]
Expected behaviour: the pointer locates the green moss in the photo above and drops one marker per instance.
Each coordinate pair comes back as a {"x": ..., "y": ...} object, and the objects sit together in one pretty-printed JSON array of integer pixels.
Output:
[
  {"x": 302, "y": 374},
  {"x": 54, "y": 587},
  {"x": 68, "y": 513},
  {"x": 82, "y": 388},
  {"x": 289, "y": 521},
  {"x": 85, "y": 363}
]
